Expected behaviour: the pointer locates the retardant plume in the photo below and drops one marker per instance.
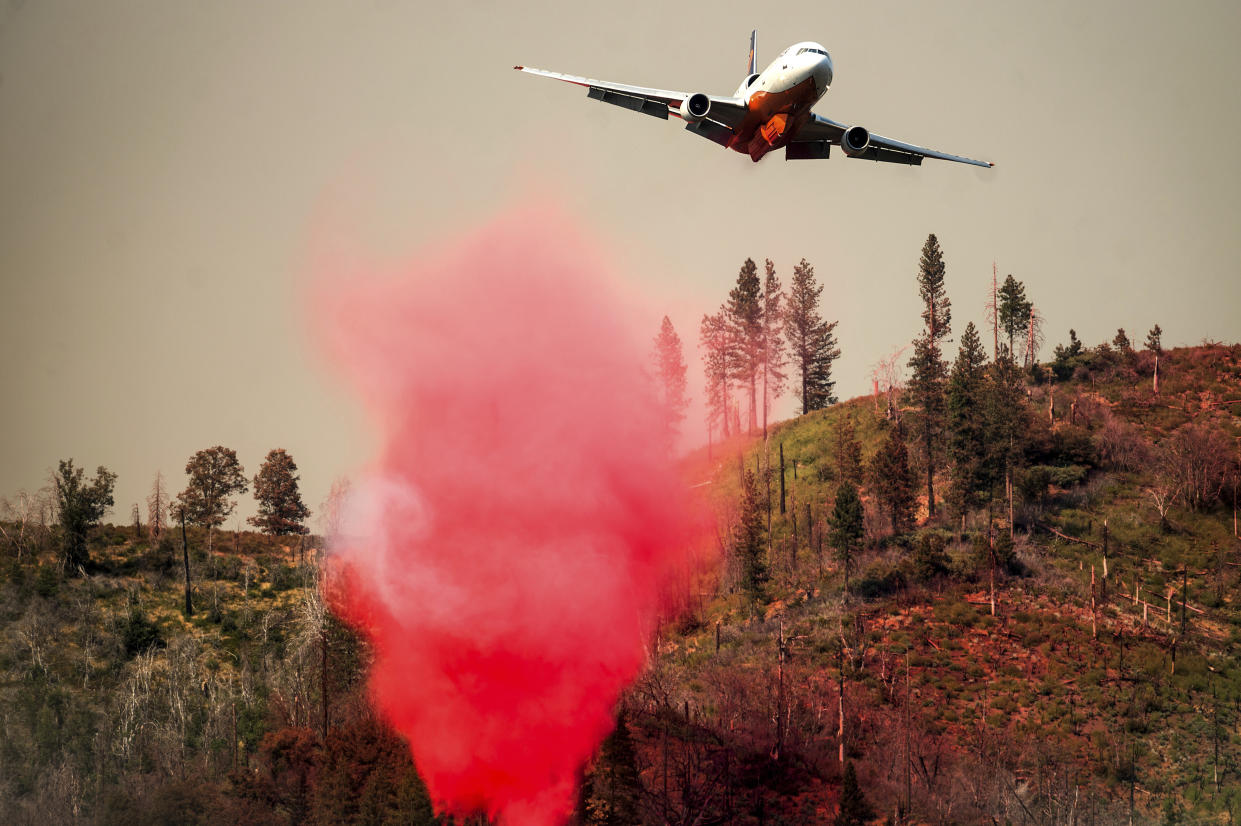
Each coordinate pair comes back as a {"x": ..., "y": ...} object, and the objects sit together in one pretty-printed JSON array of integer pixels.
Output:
[{"x": 513, "y": 543}]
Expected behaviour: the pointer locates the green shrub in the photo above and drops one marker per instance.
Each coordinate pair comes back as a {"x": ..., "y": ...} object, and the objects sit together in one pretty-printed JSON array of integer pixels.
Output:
[
  {"x": 139, "y": 634},
  {"x": 880, "y": 580},
  {"x": 47, "y": 581},
  {"x": 958, "y": 614},
  {"x": 929, "y": 559}
]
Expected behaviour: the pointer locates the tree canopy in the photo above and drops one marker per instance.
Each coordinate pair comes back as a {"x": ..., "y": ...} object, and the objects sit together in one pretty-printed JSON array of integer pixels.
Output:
[
  {"x": 811, "y": 340},
  {"x": 81, "y": 505},
  {"x": 670, "y": 376},
  {"x": 281, "y": 511},
  {"x": 215, "y": 476}
]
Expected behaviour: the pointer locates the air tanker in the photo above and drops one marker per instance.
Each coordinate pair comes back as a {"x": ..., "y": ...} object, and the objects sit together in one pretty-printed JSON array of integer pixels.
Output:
[{"x": 770, "y": 110}]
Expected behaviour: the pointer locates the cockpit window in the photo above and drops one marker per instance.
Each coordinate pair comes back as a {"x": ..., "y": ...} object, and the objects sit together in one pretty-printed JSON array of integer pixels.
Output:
[{"x": 813, "y": 51}]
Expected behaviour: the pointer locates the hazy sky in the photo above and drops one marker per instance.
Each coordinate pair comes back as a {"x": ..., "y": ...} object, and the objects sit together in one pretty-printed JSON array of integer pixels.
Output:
[{"x": 164, "y": 167}]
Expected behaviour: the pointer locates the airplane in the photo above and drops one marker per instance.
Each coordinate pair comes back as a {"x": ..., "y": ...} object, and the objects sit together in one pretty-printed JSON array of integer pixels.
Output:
[{"x": 770, "y": 110}]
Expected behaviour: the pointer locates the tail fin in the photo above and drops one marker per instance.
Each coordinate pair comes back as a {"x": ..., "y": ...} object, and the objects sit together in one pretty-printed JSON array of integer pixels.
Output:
[{"x": 753, "y": 67}]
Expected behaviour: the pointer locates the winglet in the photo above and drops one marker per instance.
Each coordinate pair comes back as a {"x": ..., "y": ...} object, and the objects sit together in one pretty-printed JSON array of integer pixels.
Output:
[{"x": 752, "y": 68}]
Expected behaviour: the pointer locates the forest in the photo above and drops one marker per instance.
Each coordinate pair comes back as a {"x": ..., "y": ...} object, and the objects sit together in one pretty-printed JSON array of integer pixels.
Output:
[{"x": 997, "y": 589}]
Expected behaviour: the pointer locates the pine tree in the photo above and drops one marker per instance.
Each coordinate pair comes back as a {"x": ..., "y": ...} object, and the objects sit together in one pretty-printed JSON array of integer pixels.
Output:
[
  {"x": 750, "y": 538},
  {"x": 713, "y": 336},
  {"x": 1121, "y": 341},
  {"x": 670, "y": 372},
  {"x": 1007, "y": 423},
  {"x": 81, "y": 505},
  {"x": 854, "y": 808},
  {"x": 1014, "y": 310},
  {"x": 614, "y": 785},
  {"x": 894, "y": 483},
  {"x": 215, "y": 476},
  {"x": 744, "y": 314},
  {"x": 1154, "y": 343},
  {"x": 281, "y": 511},
  {"x": 848, "y": 452},
  {"x": 1067, "y": 358},
  {"x": 930, "y": 370},
  {"x": 774, "y": 358},
  {"x": 812, "y": 341},
  {"x": 967, "y": 425},
  {"x": 848, "y": 526},
  {"x": 1154, "y": 340}
]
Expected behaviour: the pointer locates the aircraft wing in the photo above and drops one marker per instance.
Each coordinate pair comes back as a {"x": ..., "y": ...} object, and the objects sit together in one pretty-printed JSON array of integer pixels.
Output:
[
  {"x": 726, "y": 113},
  {"x": 821, "y": 130}
]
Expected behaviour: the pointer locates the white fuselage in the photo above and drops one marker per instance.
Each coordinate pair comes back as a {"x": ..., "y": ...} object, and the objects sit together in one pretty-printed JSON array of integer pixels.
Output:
[{"x": 780, "y": 97}]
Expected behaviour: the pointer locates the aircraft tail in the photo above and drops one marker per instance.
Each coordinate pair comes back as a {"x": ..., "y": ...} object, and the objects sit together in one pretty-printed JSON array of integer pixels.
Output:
[{"x": 753, "y": 67}]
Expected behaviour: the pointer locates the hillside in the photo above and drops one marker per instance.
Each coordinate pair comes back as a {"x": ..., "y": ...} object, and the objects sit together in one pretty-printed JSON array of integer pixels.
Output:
[
  {"x": 1057, "y": 707},
  {"x": 1045, "y": 711}
]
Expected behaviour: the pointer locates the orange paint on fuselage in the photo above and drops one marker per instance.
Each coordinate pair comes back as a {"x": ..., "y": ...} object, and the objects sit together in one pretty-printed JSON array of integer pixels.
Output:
[{"x": 774, "y": 118}]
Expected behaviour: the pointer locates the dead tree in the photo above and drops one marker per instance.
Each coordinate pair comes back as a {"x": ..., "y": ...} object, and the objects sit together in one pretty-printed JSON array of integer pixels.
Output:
[
  {"x": 185, "y": 554},
  {"x": 157, "y": 507}
]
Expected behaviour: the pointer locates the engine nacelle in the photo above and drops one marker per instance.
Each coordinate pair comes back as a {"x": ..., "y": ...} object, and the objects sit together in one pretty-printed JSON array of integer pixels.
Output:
[
  {"x": 695, "y": 107},
  {"x": 855, "y": 141}
]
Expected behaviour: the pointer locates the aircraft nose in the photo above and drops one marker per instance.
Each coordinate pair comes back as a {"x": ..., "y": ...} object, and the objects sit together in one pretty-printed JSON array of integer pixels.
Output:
[{"x": 823, "y": 72}]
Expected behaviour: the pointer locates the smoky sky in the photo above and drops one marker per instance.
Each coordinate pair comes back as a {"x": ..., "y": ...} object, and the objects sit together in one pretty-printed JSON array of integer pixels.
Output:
[{"x": 164, "y": 167}]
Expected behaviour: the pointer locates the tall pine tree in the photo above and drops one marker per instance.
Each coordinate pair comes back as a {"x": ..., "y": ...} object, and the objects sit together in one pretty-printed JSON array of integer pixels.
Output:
[
  {"x": 670, "y": 377},
  {"x": 713, "y": 338},
  {"x": 1014, "y": 311},
  {"x": 750, "y": 538},
  {"x": 848, "y": 526},
  {"x": 967, "y": 424},
  {"x": 1154, "y": 343},
  {"x": 930, "y": 370},
  {"x": 894, "y": 483},
  {"x": 744, "y": 314},
  {"x": 811, "y": 340},
  {"x": 774, "y": 358},
  {"x": 1007, "y": 422},
  {"x": 848, "y": 452}
]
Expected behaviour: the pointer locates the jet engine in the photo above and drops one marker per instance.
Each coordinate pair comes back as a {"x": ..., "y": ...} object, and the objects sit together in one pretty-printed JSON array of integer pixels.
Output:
[
  {"x": 695, "y": 107},
  {"x": 855, "y": 140}
]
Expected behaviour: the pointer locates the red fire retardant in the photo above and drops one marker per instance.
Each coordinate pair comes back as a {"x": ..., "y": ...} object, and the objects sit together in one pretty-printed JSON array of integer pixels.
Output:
[{"x": 517, "y": 535}]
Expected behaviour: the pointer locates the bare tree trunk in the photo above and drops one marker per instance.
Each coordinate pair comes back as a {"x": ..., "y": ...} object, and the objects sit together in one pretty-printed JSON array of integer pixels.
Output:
[
  {"x": 995, "y": 319},
  {"x": 1184, "y": 590},
  {"x": 1030, "y": 340},
  {"x": 782, "y": 478},
  {"x": 764, "y": 398},
  {"x": 1103, "y": 587},
  {"x": 840, "y": 730},
  {"x": 323, "y": 676},
  {"x": 1156, "y": 380},
  {"x": 185, "y": 554},
  {"x": 1009, "y": 480},
  {"x": 908, "y": 741},
  {"x": 991, "y": 548},
  {"x": 1094, "y": 629},
  {"x": 753, "y": 405},
  {"x": 780, "y": 695}
]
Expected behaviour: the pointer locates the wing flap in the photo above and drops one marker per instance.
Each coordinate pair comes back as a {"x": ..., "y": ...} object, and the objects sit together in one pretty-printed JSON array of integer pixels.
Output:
[
  {"x": 712, "y": 131},
  {"x": 647, "y": 106},
  {"x": 881, "y": 149},
  {"x": 726, "y": 112}
]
